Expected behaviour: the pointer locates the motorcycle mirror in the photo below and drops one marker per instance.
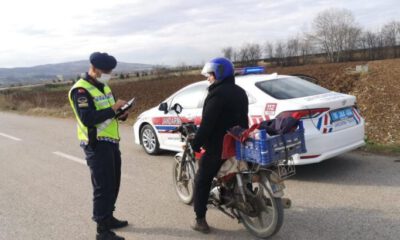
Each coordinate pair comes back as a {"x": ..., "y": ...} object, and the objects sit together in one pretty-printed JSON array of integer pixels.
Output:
[
  {"x": 177, "y": 108},
  {"x": 163, "y": 107}
]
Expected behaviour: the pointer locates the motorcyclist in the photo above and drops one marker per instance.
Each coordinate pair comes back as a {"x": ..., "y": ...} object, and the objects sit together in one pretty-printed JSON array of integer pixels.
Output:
[{"x": 225, "y": 106}]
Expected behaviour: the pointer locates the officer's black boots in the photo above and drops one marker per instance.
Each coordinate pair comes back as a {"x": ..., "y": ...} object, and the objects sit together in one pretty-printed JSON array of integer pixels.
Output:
[
  {"x": 104, "y": 229},
  {"x": 114, "y": 223},
  {"x": 201, "y": 225},
  {"x": 108, "y": 235}
]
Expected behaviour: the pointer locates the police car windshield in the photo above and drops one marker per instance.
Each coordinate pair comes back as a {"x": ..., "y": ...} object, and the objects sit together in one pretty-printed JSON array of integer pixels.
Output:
[{"x": 290, "y": 87}]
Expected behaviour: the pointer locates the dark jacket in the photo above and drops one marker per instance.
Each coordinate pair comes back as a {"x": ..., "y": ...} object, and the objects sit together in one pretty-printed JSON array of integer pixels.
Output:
[{"x": 225, "y": 106}]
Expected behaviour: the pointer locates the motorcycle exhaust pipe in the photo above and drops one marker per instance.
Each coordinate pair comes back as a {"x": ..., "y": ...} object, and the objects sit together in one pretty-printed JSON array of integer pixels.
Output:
[{"x": 286, "y": 202}]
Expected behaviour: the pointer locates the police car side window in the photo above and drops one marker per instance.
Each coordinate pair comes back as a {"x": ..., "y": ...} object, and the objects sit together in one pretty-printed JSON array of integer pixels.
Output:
[{"x": 190, "y": 98}]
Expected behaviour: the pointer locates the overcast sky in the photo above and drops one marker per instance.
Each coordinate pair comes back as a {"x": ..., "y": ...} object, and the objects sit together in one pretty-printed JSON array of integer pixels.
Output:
[{"x": 36, "y": 32}]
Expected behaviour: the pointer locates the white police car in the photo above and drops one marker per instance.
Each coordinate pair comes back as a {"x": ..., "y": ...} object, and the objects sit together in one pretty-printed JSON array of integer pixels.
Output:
[{"x": 333, "y": 124}]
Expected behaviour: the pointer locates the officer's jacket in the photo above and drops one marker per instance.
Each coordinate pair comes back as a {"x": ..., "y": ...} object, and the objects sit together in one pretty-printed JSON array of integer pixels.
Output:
[{"x": 90, "y": 115}]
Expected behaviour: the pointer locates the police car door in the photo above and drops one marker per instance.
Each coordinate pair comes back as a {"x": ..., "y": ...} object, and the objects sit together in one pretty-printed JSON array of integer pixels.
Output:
[{"x": 191, "y": 99}]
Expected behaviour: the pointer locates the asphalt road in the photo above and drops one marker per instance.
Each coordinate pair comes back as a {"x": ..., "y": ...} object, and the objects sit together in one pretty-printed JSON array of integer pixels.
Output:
[{"x": 45, "y": 192}]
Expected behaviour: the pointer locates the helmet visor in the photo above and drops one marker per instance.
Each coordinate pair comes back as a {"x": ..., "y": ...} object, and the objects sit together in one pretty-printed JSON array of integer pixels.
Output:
[{"x": 209, "y": 68}]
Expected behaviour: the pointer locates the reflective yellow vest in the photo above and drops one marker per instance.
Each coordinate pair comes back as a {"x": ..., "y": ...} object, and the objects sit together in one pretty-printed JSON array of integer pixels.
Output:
[{"x": 108, "y": 128}]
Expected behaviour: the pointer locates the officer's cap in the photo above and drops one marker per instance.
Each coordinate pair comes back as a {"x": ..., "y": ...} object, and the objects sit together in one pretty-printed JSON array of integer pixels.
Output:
[{"x": 103, "y": 61}]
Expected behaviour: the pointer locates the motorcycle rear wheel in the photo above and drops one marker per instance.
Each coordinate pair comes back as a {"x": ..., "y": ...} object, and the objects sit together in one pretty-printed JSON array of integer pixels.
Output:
[{"x": 270, "y": 216}]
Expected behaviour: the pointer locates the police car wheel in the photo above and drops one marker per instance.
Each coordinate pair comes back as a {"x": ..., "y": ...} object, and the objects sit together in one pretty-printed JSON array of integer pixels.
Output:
[{"x": 149, "y": 140}]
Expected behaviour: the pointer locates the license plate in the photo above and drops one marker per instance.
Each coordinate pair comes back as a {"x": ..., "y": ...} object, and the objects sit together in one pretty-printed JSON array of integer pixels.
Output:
[{"x": 341, "y": 114}]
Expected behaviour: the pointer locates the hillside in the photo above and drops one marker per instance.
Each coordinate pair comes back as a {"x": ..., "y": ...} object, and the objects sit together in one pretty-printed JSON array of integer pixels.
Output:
[{"x": 68, "y": 70}]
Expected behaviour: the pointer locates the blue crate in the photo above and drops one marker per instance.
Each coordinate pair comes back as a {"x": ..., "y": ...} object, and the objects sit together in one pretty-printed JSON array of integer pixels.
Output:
[{"x": 268, "y": 150}]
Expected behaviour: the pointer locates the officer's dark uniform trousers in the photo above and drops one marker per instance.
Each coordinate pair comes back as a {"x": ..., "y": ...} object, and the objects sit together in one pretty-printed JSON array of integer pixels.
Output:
[{"x": 104, "y": 161}]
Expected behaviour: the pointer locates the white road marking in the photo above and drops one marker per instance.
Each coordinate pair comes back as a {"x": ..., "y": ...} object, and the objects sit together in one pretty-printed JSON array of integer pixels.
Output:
[
  {"x": 69, "y": 157},
  {"x": 81, "y": 161},
  {"x": 10, "y": 137}
]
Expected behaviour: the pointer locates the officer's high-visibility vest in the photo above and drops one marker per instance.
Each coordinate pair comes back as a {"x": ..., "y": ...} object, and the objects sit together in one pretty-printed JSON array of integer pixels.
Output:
[{"x": 108, "y": 128}]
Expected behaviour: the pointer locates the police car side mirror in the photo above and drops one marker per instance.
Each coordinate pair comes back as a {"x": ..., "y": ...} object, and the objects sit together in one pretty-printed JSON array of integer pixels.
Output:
[
  {"x": 163, "y": 107},
  {"x": 177, "y": 108}
]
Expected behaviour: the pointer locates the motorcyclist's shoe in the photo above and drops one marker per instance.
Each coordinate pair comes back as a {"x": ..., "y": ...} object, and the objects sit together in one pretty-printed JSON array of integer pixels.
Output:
[
  {"x": 201, "y": 225},
  {"x": 108, "y": 235}
]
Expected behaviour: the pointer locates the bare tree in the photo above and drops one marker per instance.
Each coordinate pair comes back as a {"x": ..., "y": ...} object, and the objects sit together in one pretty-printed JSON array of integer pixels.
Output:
[
  {"x": 391, "y": 33},
  {"x": 363, "y": 45},
  {"x": 292, "y": 51},
  {"x": 243, "y": 54},
  {"x": 306, "y": 48},
  {"x": 336, "y": 31},
  {"x": 254, "y": 52},
  {"x": 269, "y": 50},
  {"x": 352, "y": 35},
  {"x": 369, "y": 42},
  {"x": 249, "y": 53},
  {"x": 236, "y": 55},
  {"x": 280, "y": 53},
  {"x": 292, "y": 47},
  {"x": 391, "y": 38},
  {"x": 228, "y": 52},
  {"x": 372, "y": 40},
  {"x": 380, "y": 40}
]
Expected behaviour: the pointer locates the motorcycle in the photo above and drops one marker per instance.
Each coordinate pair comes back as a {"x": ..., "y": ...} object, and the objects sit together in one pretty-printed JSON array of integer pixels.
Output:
[{"x": 251, "y": 193}]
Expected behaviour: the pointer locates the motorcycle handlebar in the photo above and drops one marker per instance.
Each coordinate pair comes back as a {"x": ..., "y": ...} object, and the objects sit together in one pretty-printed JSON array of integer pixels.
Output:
[{"x": 185, "y": 128}]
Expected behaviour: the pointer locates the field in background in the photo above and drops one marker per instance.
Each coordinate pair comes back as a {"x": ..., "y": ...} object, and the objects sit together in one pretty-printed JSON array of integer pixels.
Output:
[
  {"x": 376, "y": 92},
  {"x": 53, "y": 99}
]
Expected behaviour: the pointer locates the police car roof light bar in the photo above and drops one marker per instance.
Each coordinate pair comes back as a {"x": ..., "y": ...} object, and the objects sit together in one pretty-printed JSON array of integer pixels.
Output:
[
  {"x": 249, "y": 70},
  {"x": 253, "y": 70}
]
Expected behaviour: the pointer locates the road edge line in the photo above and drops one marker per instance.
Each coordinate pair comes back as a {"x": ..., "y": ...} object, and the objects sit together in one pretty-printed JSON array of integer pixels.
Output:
[{"x": 10, "y": 137}]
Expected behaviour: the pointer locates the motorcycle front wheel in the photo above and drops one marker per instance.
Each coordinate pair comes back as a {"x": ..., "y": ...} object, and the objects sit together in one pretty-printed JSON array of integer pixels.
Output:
[
  {"x": 269, "y": 215},
  {"x": 184, "y": 187}
]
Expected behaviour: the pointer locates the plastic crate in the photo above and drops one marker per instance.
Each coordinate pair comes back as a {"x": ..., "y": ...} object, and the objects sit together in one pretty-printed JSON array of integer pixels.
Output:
[{"x": 267, "y": 150}]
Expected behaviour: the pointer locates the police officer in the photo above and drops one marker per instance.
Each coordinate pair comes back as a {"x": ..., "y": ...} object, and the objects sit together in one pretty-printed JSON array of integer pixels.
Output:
[
  {"x": 225, "y": 106},
  {"x": 94, "y": 106}
]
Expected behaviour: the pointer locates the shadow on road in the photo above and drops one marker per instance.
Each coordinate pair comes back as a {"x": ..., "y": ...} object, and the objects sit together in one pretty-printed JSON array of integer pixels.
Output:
[
  {"x": 166, "y": 153},
  {"x": 355, "y": 168},
  {"x": 188, "y": 233},
  {"x": 339, "y": 223}
]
